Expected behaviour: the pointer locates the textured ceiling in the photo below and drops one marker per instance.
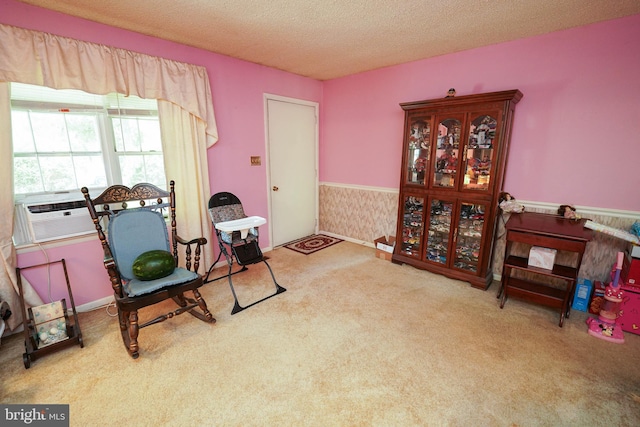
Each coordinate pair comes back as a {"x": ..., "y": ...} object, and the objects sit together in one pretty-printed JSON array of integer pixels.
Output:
[{"x": 325, "y": 39}]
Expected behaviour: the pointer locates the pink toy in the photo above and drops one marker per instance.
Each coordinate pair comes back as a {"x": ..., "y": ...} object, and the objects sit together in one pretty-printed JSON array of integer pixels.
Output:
[{"x": 605, "y": 326}]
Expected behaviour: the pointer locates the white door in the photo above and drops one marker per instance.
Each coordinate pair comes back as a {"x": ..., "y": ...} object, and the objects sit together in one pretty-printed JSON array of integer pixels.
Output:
[{"x": 292, "y": 139}]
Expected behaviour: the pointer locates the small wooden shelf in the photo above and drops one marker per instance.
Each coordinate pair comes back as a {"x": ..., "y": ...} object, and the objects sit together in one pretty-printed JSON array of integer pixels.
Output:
[
  {"x": 559, "y": 271},
  {"x": 552, "y": 231},
  {"x": 537, "y": 292}
]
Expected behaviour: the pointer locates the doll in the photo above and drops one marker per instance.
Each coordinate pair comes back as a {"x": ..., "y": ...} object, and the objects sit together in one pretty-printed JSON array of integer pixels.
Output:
[
  {"x": 568, "y": 211},
  {"x": 508, "y": 203}
]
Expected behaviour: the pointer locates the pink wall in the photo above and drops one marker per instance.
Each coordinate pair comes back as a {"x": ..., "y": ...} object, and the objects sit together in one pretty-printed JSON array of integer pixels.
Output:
[
  {"x": 237, "y": 87},
  {"x": 87, "y": 276},
  {"x": 576, "y": 131},
  {"x": 575, "y": 136}
]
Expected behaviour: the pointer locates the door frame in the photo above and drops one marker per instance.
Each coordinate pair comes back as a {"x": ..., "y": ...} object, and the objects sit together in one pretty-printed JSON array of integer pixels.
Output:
[{"x": 316, "y": 106}]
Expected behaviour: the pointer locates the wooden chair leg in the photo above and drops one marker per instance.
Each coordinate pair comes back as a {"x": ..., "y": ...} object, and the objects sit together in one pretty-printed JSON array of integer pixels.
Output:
[
  {"x": 203, "y": 306},
  {"x": 180, "y": 300},
  {"x": 122, "y": 319},
  {"x": 133, "y": 334}
]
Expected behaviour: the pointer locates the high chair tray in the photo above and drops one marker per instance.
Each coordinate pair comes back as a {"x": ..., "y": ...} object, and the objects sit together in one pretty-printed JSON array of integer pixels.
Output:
[{"x": 243, "y": 225}]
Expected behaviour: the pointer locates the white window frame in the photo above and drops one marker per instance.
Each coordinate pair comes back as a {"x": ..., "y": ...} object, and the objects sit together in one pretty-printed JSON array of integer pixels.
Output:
[
  {"x": 104, "y": 114},
  {"x": 106, "y": 109}
]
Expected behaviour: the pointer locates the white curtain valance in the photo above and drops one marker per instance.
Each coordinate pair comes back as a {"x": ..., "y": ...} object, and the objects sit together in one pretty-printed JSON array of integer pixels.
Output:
[
  {"x": 45, "y": 59},
  {"x": 188, "y": 128}
]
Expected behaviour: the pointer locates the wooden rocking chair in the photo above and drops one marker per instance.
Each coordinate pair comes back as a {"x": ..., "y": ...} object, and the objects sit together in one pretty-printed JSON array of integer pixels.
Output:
[{"x": 135, "y": 222}]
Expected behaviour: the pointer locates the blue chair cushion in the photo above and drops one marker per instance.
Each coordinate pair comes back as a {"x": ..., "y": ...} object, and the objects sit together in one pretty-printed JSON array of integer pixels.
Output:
[
  {"x": 133, "y": 232},
  {"x": 136, "y": 287}
]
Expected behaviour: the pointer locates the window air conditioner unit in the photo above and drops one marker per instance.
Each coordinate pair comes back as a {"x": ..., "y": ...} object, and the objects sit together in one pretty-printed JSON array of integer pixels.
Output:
[{"x": 51, "y": 221}]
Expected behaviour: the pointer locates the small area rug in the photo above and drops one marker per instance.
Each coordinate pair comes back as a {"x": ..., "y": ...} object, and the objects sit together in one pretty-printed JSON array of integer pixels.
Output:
[{"x": 311, "y": 244}]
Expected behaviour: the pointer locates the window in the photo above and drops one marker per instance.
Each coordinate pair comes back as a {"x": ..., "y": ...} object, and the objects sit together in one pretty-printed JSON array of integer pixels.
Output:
[{"x": 64, "y": 140}]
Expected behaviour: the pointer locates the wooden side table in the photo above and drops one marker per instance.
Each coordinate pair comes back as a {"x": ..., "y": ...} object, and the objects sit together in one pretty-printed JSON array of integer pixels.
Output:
[{"x": 550, "y": 231}]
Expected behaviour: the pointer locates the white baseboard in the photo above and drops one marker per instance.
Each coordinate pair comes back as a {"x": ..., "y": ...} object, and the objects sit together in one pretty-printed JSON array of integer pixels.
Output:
[
  {"x": 347, "y": 239},
  {"x": 99, "y": 303}
]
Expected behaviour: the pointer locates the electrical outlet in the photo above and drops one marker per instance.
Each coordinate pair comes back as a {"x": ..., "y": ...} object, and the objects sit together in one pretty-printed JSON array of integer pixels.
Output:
[{"x": 255, "y": 161}]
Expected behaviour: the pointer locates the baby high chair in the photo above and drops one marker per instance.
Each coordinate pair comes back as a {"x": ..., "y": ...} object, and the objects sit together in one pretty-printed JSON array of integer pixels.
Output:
[{"x": 237, "y": 236}]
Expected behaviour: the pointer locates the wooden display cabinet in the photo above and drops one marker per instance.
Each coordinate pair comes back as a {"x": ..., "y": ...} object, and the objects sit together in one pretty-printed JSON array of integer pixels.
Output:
[{"x": 453, "y": 165}]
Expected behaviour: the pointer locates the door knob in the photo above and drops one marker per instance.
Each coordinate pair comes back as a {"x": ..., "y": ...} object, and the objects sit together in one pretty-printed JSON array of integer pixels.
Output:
[{"x": 275, "y": 188}]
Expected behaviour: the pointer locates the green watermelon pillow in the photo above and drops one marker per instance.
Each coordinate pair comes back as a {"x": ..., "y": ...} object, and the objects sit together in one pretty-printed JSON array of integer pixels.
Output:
[{"x": 153, "y": 265}]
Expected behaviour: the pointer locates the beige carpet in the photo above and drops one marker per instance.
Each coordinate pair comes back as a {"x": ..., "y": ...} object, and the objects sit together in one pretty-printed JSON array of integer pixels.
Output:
[{"x": 355, "y": 341}]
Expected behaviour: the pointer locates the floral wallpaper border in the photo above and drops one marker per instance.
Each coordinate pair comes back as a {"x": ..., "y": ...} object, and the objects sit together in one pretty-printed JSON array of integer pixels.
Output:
[{"x": 366, "y": 213}]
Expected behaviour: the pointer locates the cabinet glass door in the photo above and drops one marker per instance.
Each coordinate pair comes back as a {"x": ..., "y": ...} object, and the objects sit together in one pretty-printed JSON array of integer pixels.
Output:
[
  {"x": 469, "y": 236},
  {"x": 439, "y": 231},
  {"x": 479, "y": 152},
  {"x": 419, "y": 135},
  {"x": 447, "y": 153},
  {"x": 412, "y": 225}
]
